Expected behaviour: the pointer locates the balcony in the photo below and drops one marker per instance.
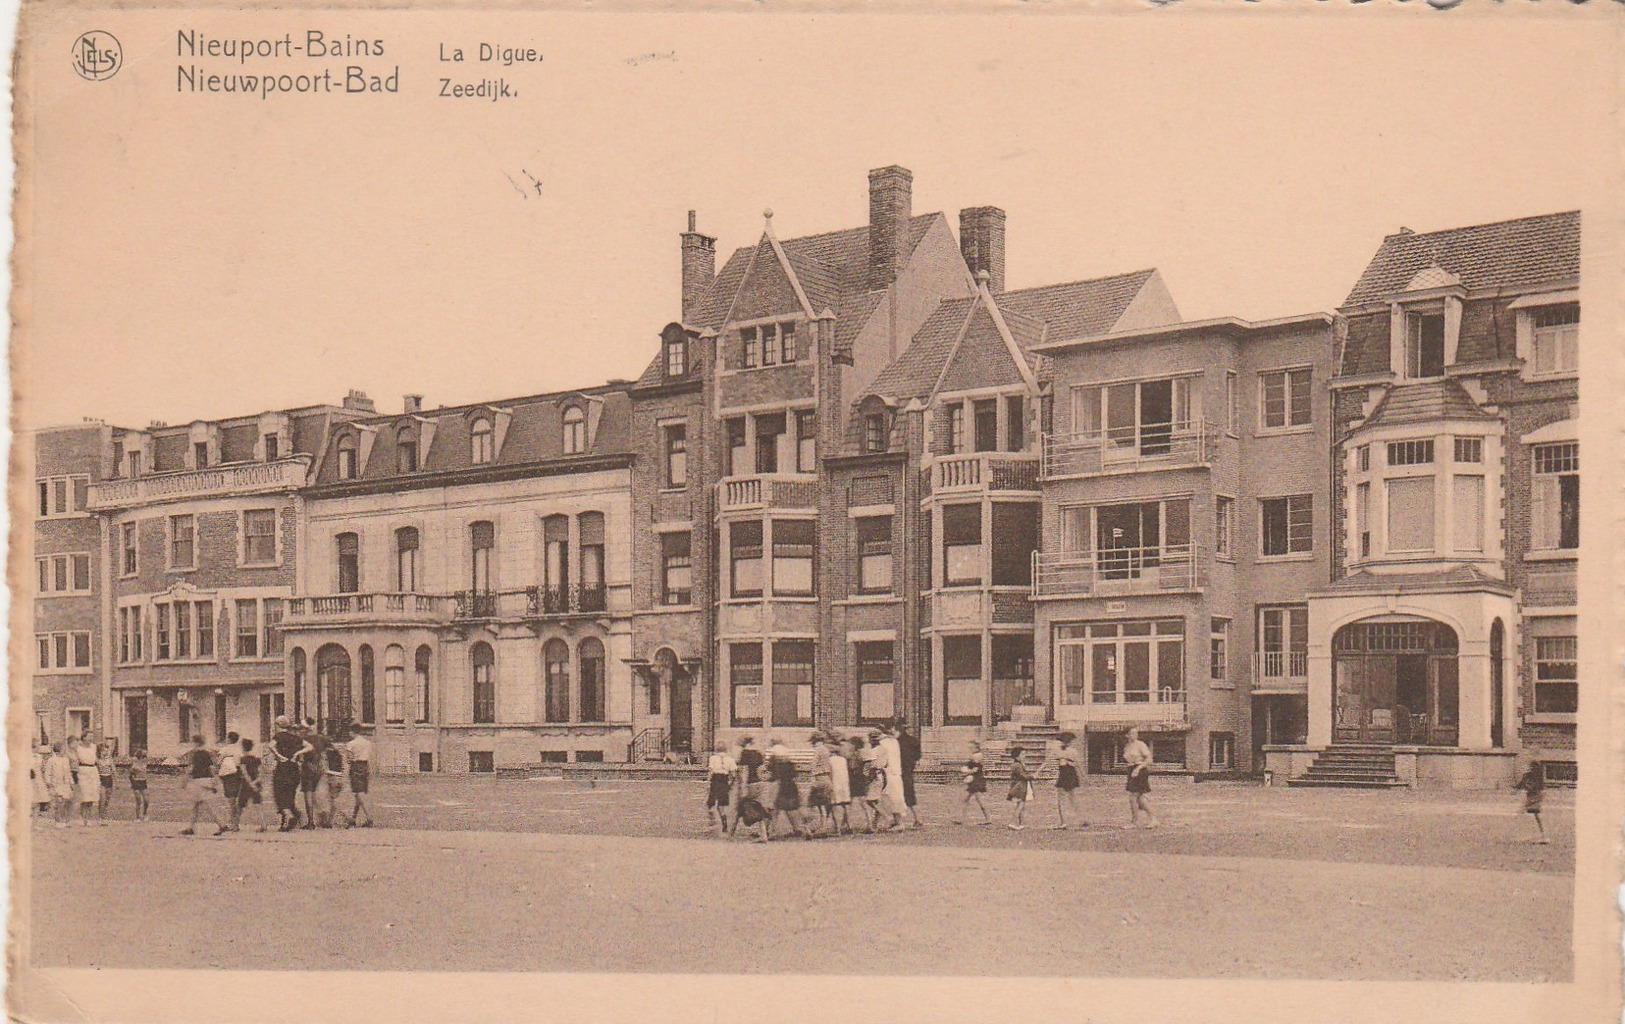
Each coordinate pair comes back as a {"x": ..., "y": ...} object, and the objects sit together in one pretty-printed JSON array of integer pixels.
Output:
[
  {"x": 985, "y": 471},
  {"x": 1119, "y": 572},
  {"x": 1139, "y": 449},
  {"x": 1141, "y": 708},
  {"x": 244, "y": 478},
  {"x": 768, "y": 490},
  {"x": 580, "y": 600},
  {"x": 384, "y": 608}
]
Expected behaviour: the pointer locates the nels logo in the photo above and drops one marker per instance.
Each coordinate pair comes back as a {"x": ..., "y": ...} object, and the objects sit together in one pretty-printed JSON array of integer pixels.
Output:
[{"x": 97, "y": 56}]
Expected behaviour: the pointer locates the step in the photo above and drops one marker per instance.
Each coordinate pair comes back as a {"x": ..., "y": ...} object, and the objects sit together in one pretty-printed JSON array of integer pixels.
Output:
[{"x": 1306, "y": 780}]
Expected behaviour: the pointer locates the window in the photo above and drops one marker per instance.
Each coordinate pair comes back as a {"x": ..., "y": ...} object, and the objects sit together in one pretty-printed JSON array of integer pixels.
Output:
[
  {"x": 64, "y": 574},
  {"x": 130, "y": 630},
  {"x": 556, "y": 561},
  {"x": 787, "y": 341},
  {"x": 480, "y": 762},
  {"x": 248, "y": 628},
  {"x": 1015, "y": 423},
  {"x": 1232, "y": 415},
  {"x": 1221, "y": 750},
  {"x": 590, "y": 529},
  {"x": 1137, "y": 419},
  {"x": 591, "y": 654},
  {"x": 62, "y": 495},
  {"x": 745, "y": 552},
  {"x": 676, "y": 357},
  {"x": 406, "y": 450},
  {"x": 348, "y": 547},
  {"x": 1224, "y": 526},
  {"x": 1469, "y": 449},
  {"x": 182, "y": 542},
  {"x": 271, "y": 616},
  {"x": 556, "y": 680},
  {"x": 1283, "y": 642},
  {"x": 1016, "y": 527},
  {"x": 200, "y": 460},
  {"x": 874, "y": 433},
  {"x": 962, "y": 545},
  {"x": 273, "y": 449},
  {"x": 483, "y": 661},
  {"x": 133, "y": 463},
  {"x": 1555, "y": 340},
  {"x": 1363, "y": 458},
  {"x": 676, "y": 455},
  {"x": 874, "y": 554},
  {"x": 793, "y": 547},
  {"x": 161, "y": 646},
  {"x": 66, "y": 651},
  {"x": 420, "y": 671},
  {"x": 750, "y": 348},
  {"x": 259, "y": 536},
  {"x": 986, "y": 412},
  {"x": 406, "y": 560},
  {"x": 1424, "y": 345},
  {"x": 426, "y": 761},
  {"x": 394, "y": 684},
  {"x": 1467, "y": 512},
  {"x": 677, "y": 569},
  {"x": 369, "y": 698},
  {"x": 806, "y": 441},
  {"x": 1557, "y": 686},
  {"x": 348, "y": 466},
  {"x": 1218, "y": 662},
  {"x": 769, "y": 428},
  {"x": 1287, "y": 525},
  {"x": 768, "y": 345},
  {"x": 738, "y": 451},
  {"x": 966, "y": 691},
  {"x": 482, "y": 442},
  {"x": 1410, "y": 514},
  {"x": 1285, "y": 399},
  {"x": 792, "y": 682},
  {"x": 1410, "y": 453},
  {"x": 481, "y": 542},
  {"x": 745, "y": 682},
  {"x": 956, "y": 427},
  {"x": 204, "y": 617},
  {"x": 876, "y": 683},
  {"x": 1555, "y": 517},
  {"x": 183, "y": 630},
  {"x": 1362, "y": 517},
  {"x": 575, "y": 430},
  {"x": 127, "y": 548}
]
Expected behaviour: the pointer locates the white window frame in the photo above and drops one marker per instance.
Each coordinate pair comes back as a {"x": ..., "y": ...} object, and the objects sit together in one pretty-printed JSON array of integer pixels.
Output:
[
  {"x": 65, "y": 665},
  {"x": 46, "y": 565},
  {"x": 1262, "y": 428},
  {"x": 170, "y": 564},
  {"x": 1224, "y": 527},
  {"x": 1290, "y": 555},
  {"x": 1219, "y": 652},
  {"x": 1285, "y": 612},
  {"x": 129, "y": 544},
  {"x": 67, "y": 480},
  {"x": 243, "y": 561},
  {"x": 573, "y": 423},
  {"x": 1526, "y": 309}
]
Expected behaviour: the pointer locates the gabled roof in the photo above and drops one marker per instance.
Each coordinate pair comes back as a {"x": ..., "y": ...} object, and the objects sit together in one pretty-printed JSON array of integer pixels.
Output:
[
  {"x": 1033, "y": 315},
  {"x": 1509, "y": 253},
  {"x": 1428, "y": 402}
]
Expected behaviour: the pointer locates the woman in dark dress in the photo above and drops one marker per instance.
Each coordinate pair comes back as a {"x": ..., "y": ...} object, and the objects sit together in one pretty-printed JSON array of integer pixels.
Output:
[
  {"x": 287, "y": 747},
  {"x": 1067, "y": 781},
  {"x": 857, "y": 778},
  {"x": 786, "y": 794}
]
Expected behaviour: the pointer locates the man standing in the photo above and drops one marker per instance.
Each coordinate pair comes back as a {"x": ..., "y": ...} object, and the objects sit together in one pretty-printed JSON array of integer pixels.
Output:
[
  {"x": 199, "y": 764},
  {"x": 909, "y": 745},
  {"x": 360, "y": 751}
]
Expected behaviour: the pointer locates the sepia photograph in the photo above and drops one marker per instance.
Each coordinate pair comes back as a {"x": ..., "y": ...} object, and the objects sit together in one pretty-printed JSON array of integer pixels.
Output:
[{"x": 780, "y": 512}]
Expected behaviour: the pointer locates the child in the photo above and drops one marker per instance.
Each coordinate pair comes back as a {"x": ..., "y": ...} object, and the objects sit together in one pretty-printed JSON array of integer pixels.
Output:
[
  {"x": 39, "y": 791},
  {"x": 201, "y": 786},
  {"x": 1533, "y": 785},
  {"x": 1066, "y": 782},
  {"x": 104, "y": 775},
  {"x": 721, "y": 767},
  {"x": 248, "y": 792},
  {"x": 840, "y": 782},
  {"x": 857, "y": 779},
  {"x": 59, "y": 777},
  {"x": 84, "y": 773},
  {"x": 786, "y": 792},
  {"x": 975, "y": 776},
  {"x": 138, "y": 782},
  {"x": 819, "y": 793},
  {"x": 1021, "y": 788}
]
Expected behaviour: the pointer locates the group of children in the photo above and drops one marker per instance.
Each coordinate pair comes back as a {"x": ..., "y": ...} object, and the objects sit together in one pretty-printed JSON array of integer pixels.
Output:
[{"x": 75, "y": 771}]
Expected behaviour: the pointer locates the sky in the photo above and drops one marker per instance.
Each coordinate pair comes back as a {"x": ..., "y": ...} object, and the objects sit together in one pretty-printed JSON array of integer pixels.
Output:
[{"x": 191, "y": 257}]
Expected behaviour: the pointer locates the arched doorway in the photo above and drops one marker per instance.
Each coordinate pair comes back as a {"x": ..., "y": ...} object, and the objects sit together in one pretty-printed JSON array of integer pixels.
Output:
[
  {"x": 678, "y": 683},
  {"x": 1396, "y": 680},
  {"x": 1497, "y": 694},
  {"x": 332, "y": 688}
]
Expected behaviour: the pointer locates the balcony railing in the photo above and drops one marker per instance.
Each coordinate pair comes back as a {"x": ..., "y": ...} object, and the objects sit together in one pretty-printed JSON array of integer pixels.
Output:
[
  {"x": 1118, "y": 571},
  {"x": 768, "y": 490},
  {"x": 1145, "y": 707},
  {"x": 380, "y": 606},
  {"x": 474, "y": 604},
  {"x": 1130, "y": 449},
  {"x": 244, "y": 478},
  {"x": 1278, "y": 666},
  {"x": 991, "y": 471},
  {"x": 585, "y": 599}
]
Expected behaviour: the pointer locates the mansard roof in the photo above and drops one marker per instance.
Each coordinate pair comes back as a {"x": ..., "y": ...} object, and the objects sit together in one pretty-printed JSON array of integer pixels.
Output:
[{"x": 1510, "y": 253}]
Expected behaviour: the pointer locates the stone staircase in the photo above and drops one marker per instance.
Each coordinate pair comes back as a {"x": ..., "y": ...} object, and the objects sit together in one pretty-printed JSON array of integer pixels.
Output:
[
  {"x": 1351, "y": 765},
  {"x": 1035, "y": 741}
]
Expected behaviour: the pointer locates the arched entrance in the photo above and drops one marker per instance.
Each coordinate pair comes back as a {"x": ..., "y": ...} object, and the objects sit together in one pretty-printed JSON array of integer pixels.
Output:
[
  {"x": 332, "y": 687},
  {"x": 1396, "y": 680},
  {"x": 678, "y": 684}
]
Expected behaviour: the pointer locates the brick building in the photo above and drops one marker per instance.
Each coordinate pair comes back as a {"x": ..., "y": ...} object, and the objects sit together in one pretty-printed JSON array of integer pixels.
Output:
[
  {"x": 200, "y": 527},
  {"x": 466, "y": 583},
  {"x": 1447, "y": 639}
]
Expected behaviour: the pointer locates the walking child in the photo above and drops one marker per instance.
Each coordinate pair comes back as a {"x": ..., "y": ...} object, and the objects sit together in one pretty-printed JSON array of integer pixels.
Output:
[
  {"x": 1066, "y": 782},
  {"x": 974, "y": 774},
  {"x": 840, "y": 781},
  {"x": 104, "y": 776},
  {"x": 59, "y": 777},
  {"x": 201, "y": 786},
  {"x": 360, "y": 752},
  {"x": 786, "y": 793},
  {"x": 138, "y": 782},
  {"x": 1533, "y": 785},
  {"x": 40, "y": 793},
  {"x": 721, "y": 767},
  {"x": 819, "y": 793},
  {"x": 1021, "y": 789},
  {"x": 857, "y": 779},
  {"x": 248, "y": 792},
  {"x": 1138, "y": 758}
]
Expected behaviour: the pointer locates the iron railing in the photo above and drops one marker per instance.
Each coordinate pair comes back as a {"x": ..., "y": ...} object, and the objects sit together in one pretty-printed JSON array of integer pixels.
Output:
[{"x": 1127, "y": 449}]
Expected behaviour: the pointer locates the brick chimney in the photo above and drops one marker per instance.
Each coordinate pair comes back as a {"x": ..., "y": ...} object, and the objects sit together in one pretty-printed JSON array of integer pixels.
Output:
[
  {"x": 359, "y": 401},
  {"x": 891, "y": 200},
  {"x": 412, "y": 403},
  {"x": 981, "y": 240},
  {"x": 699, "y": 266}
]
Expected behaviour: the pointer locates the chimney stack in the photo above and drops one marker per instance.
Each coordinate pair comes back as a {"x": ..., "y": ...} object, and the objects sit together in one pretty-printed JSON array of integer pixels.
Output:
[
  {"x": 981, "y": 240},
  {"x": 359, "y": 401},
  {"x": 891, "y": 200},
  {"x": 699, "y": 266},
  {"x": 413, "y": 403}
]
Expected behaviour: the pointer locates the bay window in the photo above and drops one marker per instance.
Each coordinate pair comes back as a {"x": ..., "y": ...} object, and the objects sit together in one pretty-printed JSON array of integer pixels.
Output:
[{"x": 962, "y": 545}]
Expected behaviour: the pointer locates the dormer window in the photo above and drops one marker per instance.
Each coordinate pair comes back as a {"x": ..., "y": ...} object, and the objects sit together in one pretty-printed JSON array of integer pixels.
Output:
[
  {"x": 575, "y": 431},
  {"x": 200, "y": 454},
  {"x": 272, "y": 448},
  {"x": 1424, "y": 345},
  {"x": 406, "y": 450},
  {"x": 348, "y": 465},
  {"x": 874, "y": 433},
  {"x": 482, "y": 442},
  {"x": 1555, "y": 339},
  {"x": 676, "y": 357}
]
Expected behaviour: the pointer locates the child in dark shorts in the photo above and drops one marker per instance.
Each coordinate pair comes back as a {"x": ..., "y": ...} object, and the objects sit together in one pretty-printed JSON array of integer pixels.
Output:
[
  {"x": 138, "y": 782},
  {"x": 248, "y": 791},
  {"x": 719, "y": 791},
  {"x": 1533, "y": 785}
]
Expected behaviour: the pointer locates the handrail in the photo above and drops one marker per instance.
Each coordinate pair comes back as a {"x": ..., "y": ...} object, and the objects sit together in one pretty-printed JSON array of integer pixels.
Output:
[{"x": 1110, "y": 449}]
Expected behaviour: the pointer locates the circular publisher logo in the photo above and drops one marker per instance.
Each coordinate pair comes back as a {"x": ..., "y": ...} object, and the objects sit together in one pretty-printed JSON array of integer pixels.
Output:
[{"x": 97, "y": 56}]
